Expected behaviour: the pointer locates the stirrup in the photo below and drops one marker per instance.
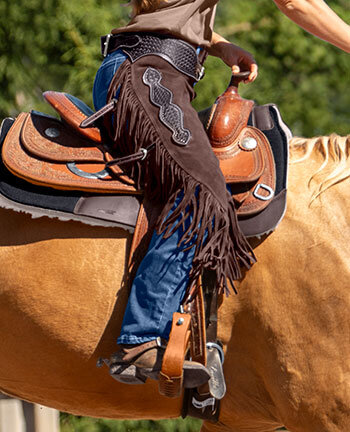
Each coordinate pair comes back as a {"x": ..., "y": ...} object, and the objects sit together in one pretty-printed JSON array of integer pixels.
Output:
[{"x": 177, "y": 373}]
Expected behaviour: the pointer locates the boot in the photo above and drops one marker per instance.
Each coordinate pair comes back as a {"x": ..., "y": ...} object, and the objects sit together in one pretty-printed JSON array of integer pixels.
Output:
[{"x": 133, "y": 364}]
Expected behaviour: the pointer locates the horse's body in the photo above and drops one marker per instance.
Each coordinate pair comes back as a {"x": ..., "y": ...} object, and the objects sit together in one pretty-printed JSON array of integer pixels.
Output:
[{"x": 287, "y": 333}]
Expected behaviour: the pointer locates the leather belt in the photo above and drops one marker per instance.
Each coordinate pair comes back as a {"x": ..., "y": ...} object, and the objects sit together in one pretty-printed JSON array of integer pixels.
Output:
[{"x": 177, "y": 52}]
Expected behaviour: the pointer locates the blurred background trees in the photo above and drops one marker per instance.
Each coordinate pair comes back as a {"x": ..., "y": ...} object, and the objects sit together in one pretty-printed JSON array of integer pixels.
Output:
[{"x": 54, "y": 44}]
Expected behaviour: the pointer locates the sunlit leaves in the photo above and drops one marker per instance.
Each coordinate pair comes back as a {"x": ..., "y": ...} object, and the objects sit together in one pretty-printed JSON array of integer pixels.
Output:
[{"x": 54, "y": 44}]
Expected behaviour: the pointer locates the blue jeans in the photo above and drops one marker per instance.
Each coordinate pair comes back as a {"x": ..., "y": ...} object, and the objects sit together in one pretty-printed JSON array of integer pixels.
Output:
[{"x": 162, "y": 277}]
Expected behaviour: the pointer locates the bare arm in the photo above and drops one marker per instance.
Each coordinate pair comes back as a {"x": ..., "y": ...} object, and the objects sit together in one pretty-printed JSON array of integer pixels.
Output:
[
  {"x": 234, "y": 56},
  {"x": 318, "y": 19}
]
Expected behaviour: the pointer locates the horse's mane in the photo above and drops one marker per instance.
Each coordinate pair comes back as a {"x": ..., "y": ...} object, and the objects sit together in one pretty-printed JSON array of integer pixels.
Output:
[{"x": 335, "y": 151}]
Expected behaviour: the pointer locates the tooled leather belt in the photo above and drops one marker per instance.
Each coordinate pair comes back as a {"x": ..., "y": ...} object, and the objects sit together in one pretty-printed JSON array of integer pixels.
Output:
[{"x": 177, "y": 52}]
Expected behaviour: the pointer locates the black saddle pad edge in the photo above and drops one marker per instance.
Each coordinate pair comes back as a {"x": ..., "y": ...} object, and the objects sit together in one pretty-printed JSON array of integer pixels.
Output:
[{"x": 279, "y": 145}]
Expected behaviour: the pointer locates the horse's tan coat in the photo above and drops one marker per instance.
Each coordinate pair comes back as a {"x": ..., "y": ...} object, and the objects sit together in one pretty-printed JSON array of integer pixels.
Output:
[{"x": 287, "y": 333}]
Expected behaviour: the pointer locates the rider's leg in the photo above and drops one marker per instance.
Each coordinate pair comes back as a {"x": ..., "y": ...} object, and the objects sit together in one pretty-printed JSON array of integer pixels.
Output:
[
  {"x": 171, "y": 168},
  {"x": 162, "y": 277},
  {"x": 158, "y": 288}
]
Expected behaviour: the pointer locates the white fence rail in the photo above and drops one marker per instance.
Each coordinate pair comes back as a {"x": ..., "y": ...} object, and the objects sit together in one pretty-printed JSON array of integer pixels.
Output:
[{"x": 20, "y": 416}]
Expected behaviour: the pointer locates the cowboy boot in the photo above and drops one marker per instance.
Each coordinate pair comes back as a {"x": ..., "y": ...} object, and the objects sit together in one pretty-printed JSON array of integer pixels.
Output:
[{"x": 133, "y": 364}]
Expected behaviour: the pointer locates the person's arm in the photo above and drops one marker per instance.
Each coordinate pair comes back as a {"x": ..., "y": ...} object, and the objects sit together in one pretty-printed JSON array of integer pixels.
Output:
[
  {"x": 234, "y": 56},
  {"x": 318, "y": 19}
]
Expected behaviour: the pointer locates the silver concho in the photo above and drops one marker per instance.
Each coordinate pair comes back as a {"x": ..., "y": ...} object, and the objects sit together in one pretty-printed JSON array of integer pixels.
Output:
[
  {"x": 170, "y": 114},
  {"x": 52, "y": 132},
  {"x": 249, "y": 143}
]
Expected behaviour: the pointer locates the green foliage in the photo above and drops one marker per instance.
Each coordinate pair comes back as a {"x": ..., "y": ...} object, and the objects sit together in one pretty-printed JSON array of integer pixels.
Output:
[
  {"x": 306, "y": 77},
  {"x": 51, "y": 44},
  {"x": 54, "y": 44},
  {"x": 70, "y": 423}
]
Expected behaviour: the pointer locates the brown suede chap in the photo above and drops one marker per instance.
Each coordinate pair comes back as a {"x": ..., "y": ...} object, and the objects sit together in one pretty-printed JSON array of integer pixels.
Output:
[{"x": 171, "y": 168}]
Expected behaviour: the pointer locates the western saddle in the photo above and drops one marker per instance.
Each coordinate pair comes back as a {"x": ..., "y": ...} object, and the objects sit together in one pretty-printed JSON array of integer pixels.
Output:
[{"x": 70, "y": 154}]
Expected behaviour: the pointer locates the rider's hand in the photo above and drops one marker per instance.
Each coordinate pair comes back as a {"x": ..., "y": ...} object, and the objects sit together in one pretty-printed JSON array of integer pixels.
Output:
[
  {"x": 235, "y": 57},
  {"x": 239, "y": 60}
]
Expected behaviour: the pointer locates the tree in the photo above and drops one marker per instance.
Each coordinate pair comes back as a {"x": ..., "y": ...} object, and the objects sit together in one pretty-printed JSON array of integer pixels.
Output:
[
  {"x": 305, "y": 76},
  {"x": 54, "y": 44},
  {"x": 51, "y": 44}
]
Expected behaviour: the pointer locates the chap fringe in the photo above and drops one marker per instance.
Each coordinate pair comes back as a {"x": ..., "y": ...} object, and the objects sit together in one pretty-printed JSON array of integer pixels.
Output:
[{"x": 211, "y": 229}]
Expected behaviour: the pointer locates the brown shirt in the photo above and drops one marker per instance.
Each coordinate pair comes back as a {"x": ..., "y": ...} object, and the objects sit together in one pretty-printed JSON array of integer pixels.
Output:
[{"x": 191, "y": 20}]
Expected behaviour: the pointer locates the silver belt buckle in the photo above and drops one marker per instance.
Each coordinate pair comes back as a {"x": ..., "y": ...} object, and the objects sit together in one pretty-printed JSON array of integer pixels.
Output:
[{"x": 106, "y": 44}]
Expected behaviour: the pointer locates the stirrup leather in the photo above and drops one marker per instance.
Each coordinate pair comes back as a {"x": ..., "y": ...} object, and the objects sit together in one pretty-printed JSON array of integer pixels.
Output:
[{"x": 171, "y": 375}]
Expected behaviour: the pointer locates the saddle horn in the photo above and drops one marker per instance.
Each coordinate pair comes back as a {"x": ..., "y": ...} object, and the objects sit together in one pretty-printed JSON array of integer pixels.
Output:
[
  {"x": 236, "y": 78},
  {"x": 229, "y": 114}
]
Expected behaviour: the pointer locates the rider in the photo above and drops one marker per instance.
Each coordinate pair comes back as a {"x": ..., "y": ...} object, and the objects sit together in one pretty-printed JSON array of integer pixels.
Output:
[{"x": 151, "y": 66}]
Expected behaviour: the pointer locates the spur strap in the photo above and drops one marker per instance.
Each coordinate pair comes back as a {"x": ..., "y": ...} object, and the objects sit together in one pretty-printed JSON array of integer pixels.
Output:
[
  {"x": 177, "y": 52},
  {"x": 133, "y": 353}
]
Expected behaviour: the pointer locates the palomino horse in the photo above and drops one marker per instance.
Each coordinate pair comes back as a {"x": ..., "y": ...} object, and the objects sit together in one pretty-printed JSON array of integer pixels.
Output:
[{"x": 286, "y": 334}]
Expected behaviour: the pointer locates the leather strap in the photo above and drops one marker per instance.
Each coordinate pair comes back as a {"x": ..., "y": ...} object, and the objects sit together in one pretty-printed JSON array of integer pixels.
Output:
[
  {"x": 140, "y": 155},
  {"x": 138, "y": 350},
  {"x": 140, "y": 230},
  {"x": 171, "y": 375},
  {"x": 89, "y": 121},
  {"x": 68, "y": 107},
  {"x": 213, "y": 317},
  {"x": 198, "y": 332},
  {"x": 146, "y": 220}
]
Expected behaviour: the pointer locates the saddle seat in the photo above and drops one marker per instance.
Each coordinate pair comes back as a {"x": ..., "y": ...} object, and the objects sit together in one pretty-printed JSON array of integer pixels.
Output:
[{"x": 62, "y": 154}]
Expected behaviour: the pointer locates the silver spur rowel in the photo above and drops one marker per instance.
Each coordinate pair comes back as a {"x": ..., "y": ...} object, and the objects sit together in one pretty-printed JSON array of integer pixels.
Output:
[{"x": 215, "y": 360}]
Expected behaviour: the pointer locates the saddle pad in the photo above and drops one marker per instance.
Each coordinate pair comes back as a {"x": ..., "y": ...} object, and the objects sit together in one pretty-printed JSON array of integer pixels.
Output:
[{"x": 22, "y": 163}]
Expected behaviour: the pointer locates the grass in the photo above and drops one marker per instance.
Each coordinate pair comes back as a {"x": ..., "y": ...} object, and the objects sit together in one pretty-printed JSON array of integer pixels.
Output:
[{"x": 70, "y": 423}]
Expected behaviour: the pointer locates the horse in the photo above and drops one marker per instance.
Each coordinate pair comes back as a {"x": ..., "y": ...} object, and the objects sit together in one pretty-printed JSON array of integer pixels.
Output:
[{"x": 285, "y": 335}]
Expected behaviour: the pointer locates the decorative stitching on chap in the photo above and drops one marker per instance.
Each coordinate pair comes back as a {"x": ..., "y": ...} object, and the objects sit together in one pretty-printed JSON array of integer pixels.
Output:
[{"x": 170, "y": 114}]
